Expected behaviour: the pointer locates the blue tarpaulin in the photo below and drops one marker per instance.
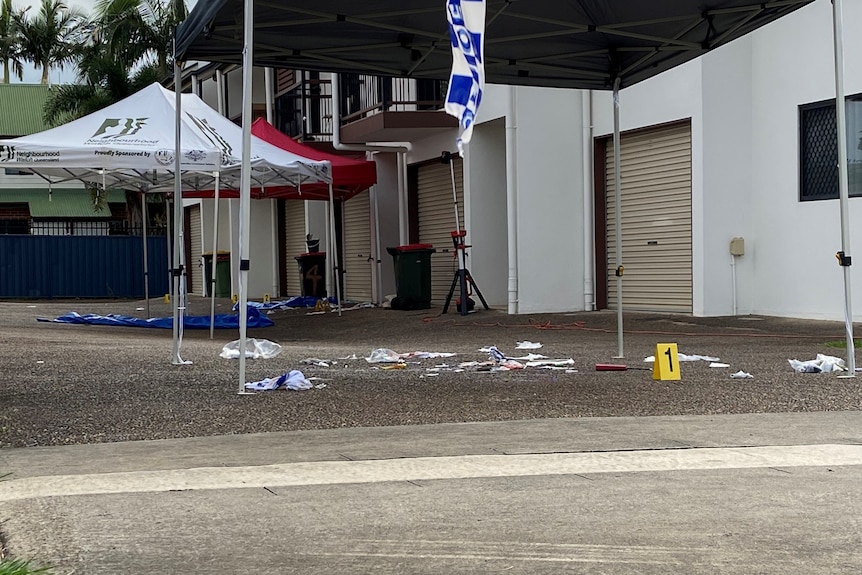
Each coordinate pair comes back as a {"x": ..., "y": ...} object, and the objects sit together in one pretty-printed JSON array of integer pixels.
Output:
[{"x": 221, "y": 321}]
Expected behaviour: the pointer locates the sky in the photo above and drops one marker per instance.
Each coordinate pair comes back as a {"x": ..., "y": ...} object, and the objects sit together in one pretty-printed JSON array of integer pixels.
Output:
[{"x": 33, "y": 75}]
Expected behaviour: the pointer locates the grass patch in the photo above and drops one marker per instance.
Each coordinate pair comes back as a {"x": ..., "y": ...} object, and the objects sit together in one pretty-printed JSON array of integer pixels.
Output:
[
  {"x": 840, "y": 344},
  {"x": 21, "y": 567}
]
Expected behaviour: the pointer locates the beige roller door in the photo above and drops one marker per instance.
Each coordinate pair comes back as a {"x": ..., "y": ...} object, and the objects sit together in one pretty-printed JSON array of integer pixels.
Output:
[
  {"x": 195, "y": 263},
  {"x": 437, "y": 221},
  {"x": 656, "y": 220},
  {"x": 357, "y": 259},
  {"x": 294, "y": 244}
]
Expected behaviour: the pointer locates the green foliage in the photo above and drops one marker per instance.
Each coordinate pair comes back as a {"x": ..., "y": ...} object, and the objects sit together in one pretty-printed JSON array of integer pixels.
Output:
[
  {"x": 10, "y": 42},
  {"x": 842, "y": 344},
  {"x": 50, "y": 37},
  {"x": 21, "y": 567}
]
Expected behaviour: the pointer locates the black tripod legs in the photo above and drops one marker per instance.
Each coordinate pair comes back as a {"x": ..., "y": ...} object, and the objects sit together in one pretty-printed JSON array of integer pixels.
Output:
[{"x": 463, "y": 277}]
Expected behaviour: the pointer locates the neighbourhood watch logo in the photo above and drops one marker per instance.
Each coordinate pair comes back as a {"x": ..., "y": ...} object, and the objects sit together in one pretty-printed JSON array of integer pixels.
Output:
[{"x": 120, "y": 130}]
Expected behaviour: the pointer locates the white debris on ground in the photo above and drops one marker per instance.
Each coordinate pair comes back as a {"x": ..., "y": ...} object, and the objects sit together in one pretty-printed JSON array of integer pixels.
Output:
[
  {"x": 254, "y": 349},
  {"x": 527, "y": 345},
  {"x": 742, "y": 375},
  {"x": 293, "y": 380},
  {"x": 684, "y": 357},
  {"x": 821, "y": 364}
]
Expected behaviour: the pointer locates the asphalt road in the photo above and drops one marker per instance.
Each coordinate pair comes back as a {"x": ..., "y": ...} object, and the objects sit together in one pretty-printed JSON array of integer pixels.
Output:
[{"x": 741, "y": 494}]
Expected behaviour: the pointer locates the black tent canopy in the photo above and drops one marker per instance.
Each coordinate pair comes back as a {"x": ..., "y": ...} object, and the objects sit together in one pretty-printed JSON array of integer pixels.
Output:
[
  {"x": 586, "y": 44},
  {"x": 555, "y": 43}
]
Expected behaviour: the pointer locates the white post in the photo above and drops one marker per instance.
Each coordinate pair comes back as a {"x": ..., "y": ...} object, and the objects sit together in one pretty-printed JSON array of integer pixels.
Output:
[
  {"x": 146, "y": 252},
  {"x": 843, "y": 192},
  {"x": 216, "y": 175},
  {"x": 334, "y": 248},
  {"x": 245, "y": 185},
  {"x": 512, "y": 200},
  {"x": 177, "y": 272},
  {"x": 618, "y": 216}
]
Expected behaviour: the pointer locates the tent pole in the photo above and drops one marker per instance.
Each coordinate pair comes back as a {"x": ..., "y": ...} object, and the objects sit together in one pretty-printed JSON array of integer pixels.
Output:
[
  {"x": 146, "y": 260},
  {"x": 843, "y": 184},
  {"x": 245, "y": 185},
  {"x": 214, "y": 258},
  {"x": 618, "y": 217},
  {"x": 334, "y": 248},
  {"x": 177, "y": 270}
]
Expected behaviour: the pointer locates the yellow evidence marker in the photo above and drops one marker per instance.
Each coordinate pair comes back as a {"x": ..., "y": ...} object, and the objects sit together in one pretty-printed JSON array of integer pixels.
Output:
[{"x": 666, "y": 366}]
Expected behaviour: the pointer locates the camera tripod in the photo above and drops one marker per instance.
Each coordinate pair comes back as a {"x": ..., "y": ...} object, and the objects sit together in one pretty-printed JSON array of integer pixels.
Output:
[{"x": 462, "y": 276}]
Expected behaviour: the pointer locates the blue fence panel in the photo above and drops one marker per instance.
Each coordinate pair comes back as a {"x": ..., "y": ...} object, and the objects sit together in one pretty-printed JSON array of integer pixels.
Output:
[{"x": 80, "y": 266}]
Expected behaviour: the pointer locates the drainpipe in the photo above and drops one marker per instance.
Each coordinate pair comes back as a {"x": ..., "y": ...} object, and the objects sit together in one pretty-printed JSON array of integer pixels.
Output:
[
  {"x": 267, "y": 77},
  {"x": 220, "y": 92},
  {"x": 512, "y": 197},
  {"x": 400, "y": 150},
  {"x": 589, "y": 217}
]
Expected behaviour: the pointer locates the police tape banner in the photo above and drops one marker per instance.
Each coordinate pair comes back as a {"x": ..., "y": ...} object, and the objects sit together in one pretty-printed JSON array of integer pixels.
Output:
[{"x": 467, "y": 80}]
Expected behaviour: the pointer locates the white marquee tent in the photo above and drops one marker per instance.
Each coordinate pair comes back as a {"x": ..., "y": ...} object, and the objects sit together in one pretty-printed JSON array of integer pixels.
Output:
[{"x": 132, "y": 144}]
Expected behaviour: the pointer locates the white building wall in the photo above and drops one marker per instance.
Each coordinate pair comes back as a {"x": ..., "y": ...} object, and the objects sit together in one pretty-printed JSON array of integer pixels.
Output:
[
  {"x": 550, "y": 200},
  {"x": 743, "y": 103},
  {"x": 387, "y": 206},
  {"x": 796, "y": 271},
  {"x": 486, "y": 213},
  {"x": 726, "y": 201}
]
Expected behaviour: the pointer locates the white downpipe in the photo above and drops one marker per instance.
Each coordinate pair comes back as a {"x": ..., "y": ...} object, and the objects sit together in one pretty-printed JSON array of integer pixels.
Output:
[
  {"x": 403, "y": 216},
  {"x": 400, "y": 149},
  {"x": 245, "y": 185},
  {"x": 215, "y": 256},
  {"x": 733, "y": 280},
  {"x": 618, "y": 215},
  {"x": 220, "y": 92},
  {"x": 378, "y": 261},
  {"x": 838, "y": 36},
  {"x": 589, "y": 207},
  {"x": 268, "y": 82},
  {"x": 196, "y": 86},
  {"x": 512, "y": 198}
]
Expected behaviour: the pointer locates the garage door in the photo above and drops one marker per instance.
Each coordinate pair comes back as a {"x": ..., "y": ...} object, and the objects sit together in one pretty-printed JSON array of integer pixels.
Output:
[
  {"x": 437, "y": 220},
  {"x": 358, "y": 260},
  {"x": 294, "y": 244},
  {"x": 656, "y": 220},
  {"x": 194, "y": 258}
]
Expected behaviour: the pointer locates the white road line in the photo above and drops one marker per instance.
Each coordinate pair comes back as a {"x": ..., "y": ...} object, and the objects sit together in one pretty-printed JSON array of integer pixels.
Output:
[{"x": 430, "y": 468}]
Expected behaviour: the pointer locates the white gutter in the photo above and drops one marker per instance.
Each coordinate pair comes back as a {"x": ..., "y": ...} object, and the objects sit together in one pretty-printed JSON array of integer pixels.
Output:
[
  {"x": 512, "y": 198},
  {"x": 589, "y": 216}
]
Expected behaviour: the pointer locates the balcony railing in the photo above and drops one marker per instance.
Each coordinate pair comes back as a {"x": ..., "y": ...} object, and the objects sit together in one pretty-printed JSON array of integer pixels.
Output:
[{"x": 304, "y": 111}]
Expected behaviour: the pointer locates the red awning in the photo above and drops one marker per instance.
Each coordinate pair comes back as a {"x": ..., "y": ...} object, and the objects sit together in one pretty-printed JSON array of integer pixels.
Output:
[{"x": 349, "y": 176}]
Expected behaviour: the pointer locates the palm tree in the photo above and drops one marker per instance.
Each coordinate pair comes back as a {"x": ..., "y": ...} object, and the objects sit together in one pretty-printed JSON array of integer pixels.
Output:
[
  {"x": 142, "y": 29},
  {"x": 10, "y": 42},
  {"x": 50, "y": 37},
  {"x": 103, "y": 79}
]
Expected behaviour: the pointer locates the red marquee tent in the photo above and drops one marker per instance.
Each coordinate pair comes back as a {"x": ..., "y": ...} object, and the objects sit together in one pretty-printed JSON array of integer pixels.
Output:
[{"x": 349, "y": 176}]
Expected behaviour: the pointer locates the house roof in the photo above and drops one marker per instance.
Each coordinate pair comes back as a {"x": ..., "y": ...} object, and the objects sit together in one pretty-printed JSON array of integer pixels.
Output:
[
  {"x": 58, "y": 203},
  {"x": 22, "y": 108}
]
